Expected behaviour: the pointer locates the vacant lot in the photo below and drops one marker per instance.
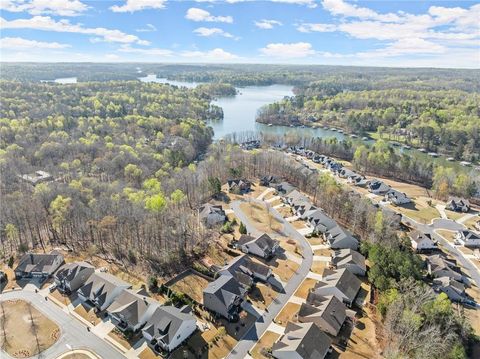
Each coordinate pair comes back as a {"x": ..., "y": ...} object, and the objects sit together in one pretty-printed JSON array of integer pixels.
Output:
[
  {"x": 192, "y": 285},
  {"x": 288, "y": 314},
  {"x": 305, "y": 287},
  {"x": 260, "y": 216},
  {"x": 27, "y": 332},
  {"x": 265, "y": 342}
]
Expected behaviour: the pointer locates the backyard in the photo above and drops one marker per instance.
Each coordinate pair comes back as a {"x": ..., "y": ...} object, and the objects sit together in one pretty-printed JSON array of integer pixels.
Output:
[
  {"x": 26, "y": 331},
  {"x": 420, "y": 210},
  {"x": 264, "y": 344},
  {"x": 288, "y": 314},
  {"x": 190, "y": 284}
]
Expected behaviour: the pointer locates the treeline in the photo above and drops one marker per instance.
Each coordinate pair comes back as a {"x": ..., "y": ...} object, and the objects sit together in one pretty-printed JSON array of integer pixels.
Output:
[
  {"x": 216, "y": 89},
  {"x": 439, "y": 120}
]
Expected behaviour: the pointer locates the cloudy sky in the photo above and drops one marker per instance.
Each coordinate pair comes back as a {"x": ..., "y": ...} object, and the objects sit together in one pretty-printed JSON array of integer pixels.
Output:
[{"x": 343, "y": 32}]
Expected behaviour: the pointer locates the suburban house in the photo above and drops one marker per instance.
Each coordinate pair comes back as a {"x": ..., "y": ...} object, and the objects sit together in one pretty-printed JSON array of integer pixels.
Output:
[
  {"x": 438, "y": 266},
  {"x": 303, "y": 209},
  {"x": 320, "y": 222},
  {"x": 302, "y": 341},
  {"x": 101, "y": 289},
  {"x": 295, "y": 197},
  {"x": 397, "y": 197},
  {"x": 452, "y": 288},
  {"x": 72, "y": 276},
  {"x": 349, "y": 259},
  {"x": 212, "y": 215},
  {"x": 244, "y": 265},
  {"x": 422, "y": 241},
  {"x": 378, "y": 187},
  {"x": 38, "y": 265},
  {"x": 339, "y": 238},
  {"x": 263, "y": 246},
  {"x": 130, "y": 310},
  {"x": 285, "y": 188},
  {"x": 329, "y": 314},
  {"x": 358, "y": 180},
  {"x": 37, "y": 177},
  {"x": 239, "y": 186},
  {"x": 224, "y": 296},
  {"x": 468, "y": 238},
  {"x": 346, "y": 173},
  {"x": 341, "y": 283},
  {"x": 268, "y": 180},
  {"x": 458, "y": 204},
  {"x": 168, "y": 327}
]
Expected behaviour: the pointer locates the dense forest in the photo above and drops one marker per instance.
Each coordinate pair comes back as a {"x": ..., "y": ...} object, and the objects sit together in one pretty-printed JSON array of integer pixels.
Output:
[{"x": 433, "y": 115}]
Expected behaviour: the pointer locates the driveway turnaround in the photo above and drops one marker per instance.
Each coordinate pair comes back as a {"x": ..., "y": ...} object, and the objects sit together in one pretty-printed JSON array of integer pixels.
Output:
[
  {"x": 74, "y": 334},
  {"x": 251, "y": 337}
]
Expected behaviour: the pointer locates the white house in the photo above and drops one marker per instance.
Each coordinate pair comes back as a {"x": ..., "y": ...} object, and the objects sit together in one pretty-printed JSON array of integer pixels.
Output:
[
  {"x": 468, "y": 238},
  {"x": 422, "y": 241}
]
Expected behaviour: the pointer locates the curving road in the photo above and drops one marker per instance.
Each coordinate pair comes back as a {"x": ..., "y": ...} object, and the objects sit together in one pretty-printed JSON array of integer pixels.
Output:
[
  {"x": 260, "y": 326},
  {"x": 74, "y": 334}
]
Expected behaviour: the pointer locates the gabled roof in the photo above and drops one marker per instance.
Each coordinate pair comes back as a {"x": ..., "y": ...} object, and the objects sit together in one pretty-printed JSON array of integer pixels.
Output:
[
  {"x": 305, "y": 339},
  {"x": 395, "y": 194},
  {"x": 338, "y": 234},
  {"x": 377, "y": 185},
  {"x": 346, "y": 256},
  {"x": 331, "y": 310},
  {"x": 132, "y": 306},
  {"x": 208, "y": 208},
  {"x": 70, "y": 270},
  {"x": 166, "y": 321},
  {"x": 469, "y": 235},
  {"x": 38, "y": 262},
  {"x": 246, "y": 265},
  {"x": 346, "y": 282},
  {"x": 264, "y": 242},
  {"x": 446, "y": 282},
  {"x": 100, "y": 285},
  {"x": 317, "y": 217},
  {"x": 418, "y": 236},
  {"x": 297, "y": 197},
  {"x": 458, "y": 202},
  {"x": 226, "y": 288}
]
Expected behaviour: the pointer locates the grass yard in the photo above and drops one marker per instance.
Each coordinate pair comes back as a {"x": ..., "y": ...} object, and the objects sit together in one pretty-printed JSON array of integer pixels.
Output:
[
  {"x": 148, "y": 353},
  {"x": 299, "y": 224},
  {"x": 470, "y": 224},
  {"x": 284, "y": 268},
  {"x": 325, "y": 252},
  {"x": 285, "y": 211},
  {"x": 291, "y": 246},
  {"x": 64, "y": 299},
  {"x": 314, "y": 241},
  {"x": 363, "y": 342},
  {"x": 27, "y": 331},
  {"x": 410, "y": 189},
  {"x": 454, "y": 215},
  {"x": 448, "y": 235},
  {"x": 262, "y": 295},
  {"x": 265, "y": 342},
  {"x": 261, "y": 218},
  {"x": 87, "y": 313},
  {"x": 305, "y": 287},
  {"x": 287, "y": 314},
  {"x": 472, "y": 314},
  {"x": 319, "y": 266},
  {"x": 118, "y": 336},
  {"x": 192, "y": 285},
  {"x": 419, "y": 210}
]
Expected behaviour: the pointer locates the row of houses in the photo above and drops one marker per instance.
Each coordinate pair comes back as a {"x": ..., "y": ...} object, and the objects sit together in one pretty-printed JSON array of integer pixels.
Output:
[
  {"x": 447, "y": 277},
  {"x": 163, "y": 327}
]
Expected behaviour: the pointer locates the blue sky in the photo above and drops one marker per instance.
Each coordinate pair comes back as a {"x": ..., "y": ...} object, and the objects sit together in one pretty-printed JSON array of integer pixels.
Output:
[{"x": 334, "y": 32}]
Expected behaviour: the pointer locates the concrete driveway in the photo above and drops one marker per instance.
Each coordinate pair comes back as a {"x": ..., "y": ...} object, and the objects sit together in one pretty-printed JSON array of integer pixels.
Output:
[{"x": 265, "y": 321}]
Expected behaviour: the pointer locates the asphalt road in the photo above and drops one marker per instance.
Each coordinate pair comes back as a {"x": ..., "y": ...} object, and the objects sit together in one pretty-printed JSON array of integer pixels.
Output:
[
  {"x": 74, "y": 334},
  {"x": 260, "y": 326}
]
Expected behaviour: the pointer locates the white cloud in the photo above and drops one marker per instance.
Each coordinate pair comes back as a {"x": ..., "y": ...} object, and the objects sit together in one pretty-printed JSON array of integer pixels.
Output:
[
  {"x": 196, "y": 14},
  {"x": 309, "y": 3},
  {"x": 212, "y": 31},
  {"x": 267, "y": 24},
  {"x": 405, "y": 47},
  {"x": 147, "y": 28},
  {"x": 20, "y": 43},
  {"x": 138, "y": 5},
  {"x": 215, "y": 55},
  {"x": 309, "y": 27},
  {"x": 288, "y": 51},
  {"x": 45, "y": 7},
  {"x": 46, "y": 23},
  {"x": 154, "y": 51},
  {"x": 340, "y": 7}
]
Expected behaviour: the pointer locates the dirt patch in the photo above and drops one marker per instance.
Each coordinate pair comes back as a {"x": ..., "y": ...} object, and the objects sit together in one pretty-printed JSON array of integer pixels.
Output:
[
  {"x": 319, "y": 266},
  {"x": 325, "y": 252},
  {"x": 260, "y": 217},
  {"x": 314, "y": 241},
  {"x": 191, "y": 285},
  {"x": 305, "y": 287},
  {"x": 148, "y": 353},
  {"x": 27, "y": 331},
  {"x": 87, "y": 313},
  {"x": 264, "y": 345},
  {"x": 288, "y": 314}
]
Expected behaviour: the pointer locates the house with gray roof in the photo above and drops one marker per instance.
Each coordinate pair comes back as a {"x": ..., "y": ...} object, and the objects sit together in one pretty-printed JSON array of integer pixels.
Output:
[
  {"x": 168, "y": 327},
  {"x": 341, "y": 283},
  {"x": 458, "y": 204},
  {"x": 101, "y": 289},
  {"x": 130, "y": 310},
  {"x": 38, "y": 265},
  {"x": 320, "y": 222},
  {"x": 263, "y": 246},
  {"x": 439, "y": 266},
  {"x": 224, "y": 296},
  {"x": 349, "y": 259},
  {"x": 422, "y": 241},
  {"x": 397, "y": 197},
  {"x": 339, "y": 238},
  {"x": 327, "y": 313},
  {"x": 212, "y": 215},
  {"x": 302, "y": 341},
  {"x": 247, "y": 266},
  {"x": 452, "y": 288},
  {"x": 468, "y": 238},
  {"x": 378, "y": 187},
  {"x": 239, "y": 186},
  {"x": 72, "y": 276},
  {"x": 295, "y": 197}
]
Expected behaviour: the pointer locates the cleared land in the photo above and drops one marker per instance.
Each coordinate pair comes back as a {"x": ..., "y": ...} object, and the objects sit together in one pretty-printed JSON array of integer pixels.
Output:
[
  {"x": 26, "y": 331},
  {"x": 261, "y": 217},
  {"x": 192, "y": 285},
  {"x": 265, "y": 342},
  {"x": 419, "y": 210}
]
